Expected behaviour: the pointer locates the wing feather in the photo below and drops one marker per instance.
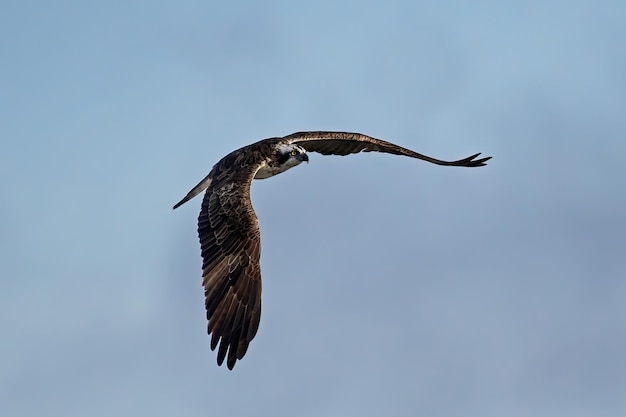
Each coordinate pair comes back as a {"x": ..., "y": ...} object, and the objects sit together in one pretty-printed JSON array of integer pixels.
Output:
[
  {"x": 345, "y": 143},
  {"x": 231, "y": 275}
]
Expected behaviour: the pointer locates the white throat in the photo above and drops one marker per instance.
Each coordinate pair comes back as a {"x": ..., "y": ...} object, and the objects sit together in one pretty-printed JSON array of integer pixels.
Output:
[{"x": 266, "y": 171}]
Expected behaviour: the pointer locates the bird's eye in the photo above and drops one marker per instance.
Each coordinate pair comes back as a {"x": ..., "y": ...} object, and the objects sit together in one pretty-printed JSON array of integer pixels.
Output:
[{"x": 294, "y": 153}]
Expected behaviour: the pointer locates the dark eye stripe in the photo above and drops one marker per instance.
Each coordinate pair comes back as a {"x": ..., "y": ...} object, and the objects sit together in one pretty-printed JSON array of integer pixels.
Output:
[{"x": 283, "y": 158}]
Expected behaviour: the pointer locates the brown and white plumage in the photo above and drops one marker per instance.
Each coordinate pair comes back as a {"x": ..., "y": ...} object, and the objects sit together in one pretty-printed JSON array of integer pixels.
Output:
[{"x": 229, "y": 233}]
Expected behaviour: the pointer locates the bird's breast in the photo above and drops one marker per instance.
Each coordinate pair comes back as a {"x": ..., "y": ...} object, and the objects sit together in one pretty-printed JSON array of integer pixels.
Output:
[{"x": 266, "y": 171}]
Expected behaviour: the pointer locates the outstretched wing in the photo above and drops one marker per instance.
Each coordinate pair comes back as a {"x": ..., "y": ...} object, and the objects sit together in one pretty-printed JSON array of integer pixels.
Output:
[
  {"x": 344, "y": 143},
  {"x": 231, "y": 247},
  {"x": 231, "y": 274}
]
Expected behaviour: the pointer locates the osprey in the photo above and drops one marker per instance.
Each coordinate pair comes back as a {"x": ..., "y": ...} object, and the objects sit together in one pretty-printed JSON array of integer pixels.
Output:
[{"x": 228, "y": 228}]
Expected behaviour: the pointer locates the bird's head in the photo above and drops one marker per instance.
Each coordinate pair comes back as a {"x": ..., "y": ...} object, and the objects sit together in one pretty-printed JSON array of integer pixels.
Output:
[
  {"x": 289, "y": 156},
  {"x": 284, "y": 156}
]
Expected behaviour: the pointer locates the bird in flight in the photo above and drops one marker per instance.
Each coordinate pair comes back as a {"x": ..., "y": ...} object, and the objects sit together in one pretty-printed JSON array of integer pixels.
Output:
[{"x": 228, "y": 228}]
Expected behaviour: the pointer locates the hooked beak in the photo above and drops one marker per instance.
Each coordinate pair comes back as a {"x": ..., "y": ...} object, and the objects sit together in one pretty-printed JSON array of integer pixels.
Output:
[{"x": 303, "y": 157}]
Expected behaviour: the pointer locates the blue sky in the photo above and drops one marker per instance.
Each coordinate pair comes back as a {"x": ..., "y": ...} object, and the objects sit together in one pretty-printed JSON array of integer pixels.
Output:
[{"x": 391, "y": 286}]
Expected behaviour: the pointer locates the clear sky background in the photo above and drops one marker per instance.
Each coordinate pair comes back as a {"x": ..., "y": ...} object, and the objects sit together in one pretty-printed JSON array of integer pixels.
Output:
[{"x": 391, "y": 286}]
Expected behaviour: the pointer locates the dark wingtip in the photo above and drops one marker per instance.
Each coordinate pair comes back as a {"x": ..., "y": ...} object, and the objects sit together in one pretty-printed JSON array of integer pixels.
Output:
[
  {"x": 221, "y": 352},
  {"x": 214, "y": 340},
  {"x": 479, "y": 162},
  {"x": 471, "y": 161}
]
